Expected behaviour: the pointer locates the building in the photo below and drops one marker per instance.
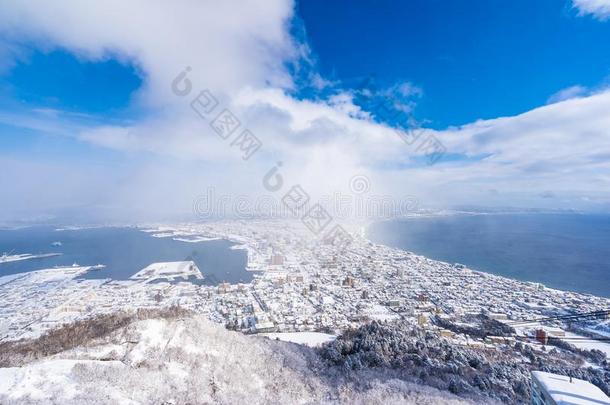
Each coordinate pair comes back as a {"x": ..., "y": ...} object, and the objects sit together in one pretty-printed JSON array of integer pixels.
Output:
[
  {"x": 422, "y": 320},
  {"x": 497, "y": 316},
  {"x": 555, "y": 332},
  {"x": 348, "y": 282},
  {"x": 555, "y": 389},
  {"x": 446, "y": 333},
  {"x": 224, "y": 288},
  {"x": 277, "y": 260},
  {"x": 393, "y": 303},
  {"x": 265, "y": 327},
  {"x": 542, "y": 336},
  {"x": 499, "y": 340}
]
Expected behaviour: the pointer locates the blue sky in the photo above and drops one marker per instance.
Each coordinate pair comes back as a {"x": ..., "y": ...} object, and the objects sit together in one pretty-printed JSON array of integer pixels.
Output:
[
  {"x": 472, "y": 60},
  {"x": 58, "y": 79},
  {"x": 88, "y": 93},
  {"x": 476, "y": 59}
]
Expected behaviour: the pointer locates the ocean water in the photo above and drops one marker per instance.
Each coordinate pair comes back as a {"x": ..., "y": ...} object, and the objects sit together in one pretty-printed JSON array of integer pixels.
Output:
[
  {"x": 563, "y": 251},
  {"x": 124, "y": 251}
]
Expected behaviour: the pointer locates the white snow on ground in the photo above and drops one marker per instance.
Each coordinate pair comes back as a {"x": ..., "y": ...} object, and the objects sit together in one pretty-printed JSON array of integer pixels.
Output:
[
  {"x": 566, "y": 391},
  {"x": 56, "y": 274},
  {"x": 602, "y": 328},
  {"x": 153, "y": 336},
  {"x": 587, "y": 344},
  {"x": 311, "y": 339},
  {"x": 196, "y": 239},
  {"x": 381, "y": 313},
  {"x": 168, "y": 270},
  {"x": 10, "y": 277},
  {"x": 193, "y": 361},
  {"x": 163, "y": 235},
  {"x": 39, "y": 380}
]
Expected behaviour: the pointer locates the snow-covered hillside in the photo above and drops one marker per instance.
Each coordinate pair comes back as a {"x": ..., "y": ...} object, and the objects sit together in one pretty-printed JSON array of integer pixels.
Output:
[{"x": 189, "y": 360}]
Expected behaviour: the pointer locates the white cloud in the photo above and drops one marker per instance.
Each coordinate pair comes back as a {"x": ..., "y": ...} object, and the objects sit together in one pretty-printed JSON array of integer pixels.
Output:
[
  {"x": 229, "y": 44},
  {"x": 239, "y": 51},
  {"x": 408, "y": 89},
  {"x": 567, "y": 93},
  {"x": 563, "y": 147},
  {"x": 598, "y": 8}
]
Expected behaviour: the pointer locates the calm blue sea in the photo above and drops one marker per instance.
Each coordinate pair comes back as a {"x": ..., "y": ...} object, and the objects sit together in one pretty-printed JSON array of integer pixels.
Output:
[
  {"x": 563, "y": 251},
  {"x": 124, "y": 251}
]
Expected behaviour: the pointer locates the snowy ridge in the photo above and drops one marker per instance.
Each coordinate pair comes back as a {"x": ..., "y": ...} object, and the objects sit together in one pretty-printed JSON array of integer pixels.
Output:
[{"x": 190, "y": 360}]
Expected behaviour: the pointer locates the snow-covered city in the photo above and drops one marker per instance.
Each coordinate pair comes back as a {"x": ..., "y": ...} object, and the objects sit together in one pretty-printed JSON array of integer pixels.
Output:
[
  {"x": 331, "y": 295},
  {"x": 304, "y": 284},
  {"x": 305, "y": 202}
]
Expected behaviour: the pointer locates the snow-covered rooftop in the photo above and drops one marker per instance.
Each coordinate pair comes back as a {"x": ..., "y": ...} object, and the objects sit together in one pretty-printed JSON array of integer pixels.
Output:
[
  {"x": 564, "y": 392},
  {"x": 311, "y": 339},
  {"x": 169, "y": 270}
]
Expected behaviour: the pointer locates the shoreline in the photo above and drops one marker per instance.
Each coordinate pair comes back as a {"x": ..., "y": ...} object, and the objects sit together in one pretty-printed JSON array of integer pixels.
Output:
[
  {"x": 254, "y": 265},
  {"x": 368, "y": 281},
  {"x": 489, "y": 268}
]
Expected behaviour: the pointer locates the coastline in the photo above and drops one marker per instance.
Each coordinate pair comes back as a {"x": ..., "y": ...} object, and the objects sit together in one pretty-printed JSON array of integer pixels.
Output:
[
  {"x": 487, "y": 267},
  {"x": 368, "y": 281}
]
